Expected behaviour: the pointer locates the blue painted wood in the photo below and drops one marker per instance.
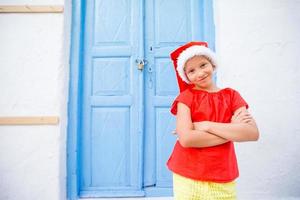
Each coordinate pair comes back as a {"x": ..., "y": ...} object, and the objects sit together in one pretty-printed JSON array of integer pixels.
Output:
[
  {"x": 207, "y": 20},
  {"x": 74, "y": 102},
  {"x": 119, "y": 131},
  {"x": 110, "y": 137},
  {"x": 169, "y": 24}
]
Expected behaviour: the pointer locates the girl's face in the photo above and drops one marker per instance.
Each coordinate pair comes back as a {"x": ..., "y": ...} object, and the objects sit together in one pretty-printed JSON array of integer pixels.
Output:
[{"x": 199, "y": 71}]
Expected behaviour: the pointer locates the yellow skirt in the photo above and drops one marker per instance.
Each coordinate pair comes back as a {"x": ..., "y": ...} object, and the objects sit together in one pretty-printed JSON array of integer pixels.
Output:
[{"x": 189, "y": 189}]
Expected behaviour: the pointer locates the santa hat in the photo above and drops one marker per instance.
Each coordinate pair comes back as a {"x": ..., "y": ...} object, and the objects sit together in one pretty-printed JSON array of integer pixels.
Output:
[{"x": 182, "y": 54}]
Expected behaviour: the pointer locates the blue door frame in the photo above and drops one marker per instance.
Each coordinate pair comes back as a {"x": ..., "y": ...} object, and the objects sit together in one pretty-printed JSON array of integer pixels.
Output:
[
  {"x": 74, "y": 100},
  {"x": 76, "y": 53}
]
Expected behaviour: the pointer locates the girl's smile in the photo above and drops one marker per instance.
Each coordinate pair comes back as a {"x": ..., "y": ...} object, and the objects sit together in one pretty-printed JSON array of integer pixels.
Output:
[{"x": 202, "y": 78}]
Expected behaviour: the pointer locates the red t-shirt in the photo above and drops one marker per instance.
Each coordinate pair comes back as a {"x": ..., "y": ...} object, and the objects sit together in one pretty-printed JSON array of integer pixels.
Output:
[{"x": 217, "y": 163}]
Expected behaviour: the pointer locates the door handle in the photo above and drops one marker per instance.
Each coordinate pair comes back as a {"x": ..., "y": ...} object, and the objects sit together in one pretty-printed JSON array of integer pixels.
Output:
[{"x": 141, "y": 63}]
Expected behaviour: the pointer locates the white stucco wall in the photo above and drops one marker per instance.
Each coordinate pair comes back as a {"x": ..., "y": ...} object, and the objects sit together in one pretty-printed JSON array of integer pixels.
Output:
[
  {"x": 33, "y": 82},
  {"x": 257, "y": 45}
]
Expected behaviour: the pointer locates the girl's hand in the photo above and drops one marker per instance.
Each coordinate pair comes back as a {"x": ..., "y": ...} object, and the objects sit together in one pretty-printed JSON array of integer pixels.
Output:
[
  {"x": 201, "y": 126},
  {"x": 243, "y": 116}
]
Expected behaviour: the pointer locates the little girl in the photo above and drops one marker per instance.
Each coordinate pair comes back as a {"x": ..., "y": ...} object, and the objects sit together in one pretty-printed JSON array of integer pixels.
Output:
[{"x": 208, "y": 121}]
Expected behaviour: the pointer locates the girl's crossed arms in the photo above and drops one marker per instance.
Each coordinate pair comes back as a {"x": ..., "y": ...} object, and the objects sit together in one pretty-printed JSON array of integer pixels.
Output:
[{"x": 206, "y": 133}]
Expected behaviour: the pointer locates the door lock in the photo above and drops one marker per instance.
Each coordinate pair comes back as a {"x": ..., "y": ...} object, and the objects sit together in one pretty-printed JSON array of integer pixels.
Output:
[{"x": 141, "y": 63}]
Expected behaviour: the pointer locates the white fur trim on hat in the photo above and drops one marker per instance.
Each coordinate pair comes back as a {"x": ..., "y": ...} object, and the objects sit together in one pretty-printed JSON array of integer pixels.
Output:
[{"x": 190, "y": 52}]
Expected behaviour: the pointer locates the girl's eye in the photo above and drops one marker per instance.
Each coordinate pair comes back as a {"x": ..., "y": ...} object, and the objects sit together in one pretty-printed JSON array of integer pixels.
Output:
[
  {"x": 191, "y": 71},
  {"x": 203, "y": 65}
]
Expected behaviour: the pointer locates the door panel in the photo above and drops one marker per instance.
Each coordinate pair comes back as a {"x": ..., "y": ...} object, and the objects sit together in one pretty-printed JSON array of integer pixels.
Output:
[
  {"x": 172, "y": 26},
  {"x": 110, "y": 136},
  {"x": 112, "y": 22},
  {"x": 169, "y": 23}
]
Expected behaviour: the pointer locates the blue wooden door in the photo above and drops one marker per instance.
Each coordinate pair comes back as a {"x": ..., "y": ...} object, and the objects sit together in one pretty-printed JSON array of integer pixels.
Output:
[
  {"x": 169, "y": 23},
  {"x": 111, "y": 131},
  {"x": 125, "y": 135}
]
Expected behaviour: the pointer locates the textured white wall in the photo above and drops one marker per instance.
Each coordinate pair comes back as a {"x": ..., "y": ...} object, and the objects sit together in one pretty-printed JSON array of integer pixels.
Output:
[
  {"x": 258, "y": 46},
  {"x": 32, "y": 83},
  {"x": 31, "y": 2}
]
